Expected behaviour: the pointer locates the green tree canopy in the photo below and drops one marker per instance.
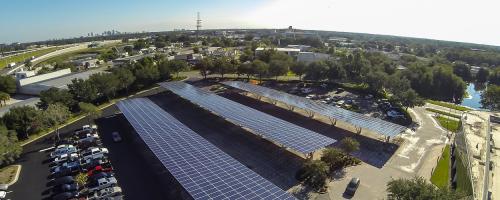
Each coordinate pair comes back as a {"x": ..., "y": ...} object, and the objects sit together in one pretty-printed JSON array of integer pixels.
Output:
[
  {"x": 83, "y": 90},
  {"x": 90, "y": 110},
  {"x": 9, "y": 147},
  {"x": 4, "y": 97},
  {"x": 316, "y": 71},
  {"x": 23, "y": 120},
  {"x": 490, "y": 99},
  {"x": 298, "y": 68},
  {"x": 418, "y": 188},
  {"x": 55, "y": 95},
  {"x": 260, "y": 68},
  {"x": 315, "y": 174},
  {"x": 349, "y": 144},
  {"x": 7, "y": 84}
]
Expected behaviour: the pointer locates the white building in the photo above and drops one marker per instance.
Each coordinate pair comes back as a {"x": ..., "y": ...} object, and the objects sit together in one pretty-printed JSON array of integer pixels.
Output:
[
  {"x": 309, "y": 57},
  {"x": 290, "y": 51},
  {"x": 24, "y": 74},
  {"x": 299, "y": 46}
]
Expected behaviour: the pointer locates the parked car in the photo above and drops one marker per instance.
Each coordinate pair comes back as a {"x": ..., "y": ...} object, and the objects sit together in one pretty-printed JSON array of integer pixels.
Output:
[
  {"x": 71, "y": 164},
  {"x": 65, "y": 195},
  {"x": 3, "y": 190},
  {"x": 94, "y": 152},
  {"x": 340, "y": 90},
  {"x": 116, "y": 137},
  {"x": 63, "y": 149},
  {"x": 98, "y": 169},
  {"x": 64, "y": 171},
  {"x": 103, "y": 183},
  {"x": 94, "y": 177},
  {"x": 119, "y": 197},
  {"x": 64, "y": 158},
  {"x": 63, "y": 180},
  {"x": 96, "y": 162},
  {"x": 352, "y": 186},
  {"x": 65, "y": 188},
  {"x": 106, "y": 192}
]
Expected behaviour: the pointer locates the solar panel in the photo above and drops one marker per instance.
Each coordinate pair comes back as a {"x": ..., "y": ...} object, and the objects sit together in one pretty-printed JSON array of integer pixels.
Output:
[
  {"x": 377, "y": 125},
  {"x": 277, "y": 130},
  {"x": 202, "y": 169}
]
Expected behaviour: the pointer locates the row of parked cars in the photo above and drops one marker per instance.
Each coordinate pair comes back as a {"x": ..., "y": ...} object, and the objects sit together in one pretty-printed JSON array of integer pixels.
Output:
[{"x": 80, "y": 168}]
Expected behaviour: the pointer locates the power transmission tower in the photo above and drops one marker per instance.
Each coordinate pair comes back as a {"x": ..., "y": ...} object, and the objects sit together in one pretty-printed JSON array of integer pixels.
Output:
[{"x": 198, "y": 26}]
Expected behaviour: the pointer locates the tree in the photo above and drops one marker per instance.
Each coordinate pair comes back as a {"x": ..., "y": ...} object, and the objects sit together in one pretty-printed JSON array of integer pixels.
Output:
[
  {"x": 23, "y": 120},
  {"x": 463, "y": 70},
  {"x": 105, "y": 84},
  {"x": 55, "y": 95},
  {"x": 335, "y": 71},
  {"x": 205, "y": 65},
  {"x": 482, "y": 75},
  {"x": 245, "y": 68},
  {"x": 177, "y": 66},
  {"x": 28, "y": 64},
  {"x": 418, "y": 188},
  {"x": 223, "y": 66},
  {"x": 495, "y": 76},
  {"x": 7, "y": 84},
  {"x": 9, "y": 147},
  {"x": 56, "y": 114},
  {"x": 260, "y": 68},
  {"x": 247, "y": 55},
  {"x": 83, "y": 90},
  {"x": 376, "y": 81},
  {"x": 349, "y": 145},
  {"x": 490, "y": 99},
  {"x": 333, "y": 157},
  {"x": 315, "y": 174},
  {"x": 278, "y": 68},
  {"x": 146, "y": 72},
  {"x": 90, "y": 110},
  {"x": 409, "y": 99},
  {"x": 140, "y": 44},
  {"x": 316, "y": 71},
  {"x": 298, "y": 68},
  {"x": 125, "y": 78},
  {"x": 4, "y": 97}
]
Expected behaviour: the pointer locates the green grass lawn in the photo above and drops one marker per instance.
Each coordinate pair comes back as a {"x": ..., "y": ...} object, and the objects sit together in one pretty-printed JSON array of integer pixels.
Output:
[
  {"x": 441, "y": 175},
  {"x": 463, "y": 182},
  {"x": 443, "y": 113},
  {"x": 449, "y": 124},
  {"x": 448, "y": 105},
  {"x": 20, "y": 58}
]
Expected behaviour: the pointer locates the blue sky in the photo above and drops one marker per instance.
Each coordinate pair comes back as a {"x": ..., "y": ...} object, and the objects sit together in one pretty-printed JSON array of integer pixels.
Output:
[{"x": 464, "y": 21}]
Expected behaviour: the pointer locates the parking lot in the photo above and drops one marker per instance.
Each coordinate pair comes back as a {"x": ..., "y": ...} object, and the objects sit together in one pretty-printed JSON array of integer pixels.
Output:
[{"x": 366, "y": 104}]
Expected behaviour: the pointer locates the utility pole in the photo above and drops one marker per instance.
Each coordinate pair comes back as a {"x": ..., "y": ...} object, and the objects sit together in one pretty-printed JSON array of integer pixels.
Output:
[{"x": 198, "y": 26}]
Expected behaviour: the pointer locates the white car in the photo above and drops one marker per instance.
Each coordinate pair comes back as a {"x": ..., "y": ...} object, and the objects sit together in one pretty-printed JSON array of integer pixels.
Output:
[
  {"x": 94, "y": 152},
  {"x": 63, "y": 149},
  {"x": 3, "y": 190},
  {"x": 65, "y": 157},
  {"x": 103, "y": 183},
  {"x": 106, "y": 192}
]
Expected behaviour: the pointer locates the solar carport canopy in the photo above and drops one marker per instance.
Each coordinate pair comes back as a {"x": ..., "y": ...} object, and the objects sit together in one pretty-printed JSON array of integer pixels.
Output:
[
  {"x": 277, "y": 130},
  {"x": 202, "y": 169},
  {"x": 377, "y": 125}
]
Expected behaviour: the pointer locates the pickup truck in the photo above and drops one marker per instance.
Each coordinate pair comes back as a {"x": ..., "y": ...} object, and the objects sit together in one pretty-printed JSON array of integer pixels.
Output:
[{"x": 103, "y": 183}]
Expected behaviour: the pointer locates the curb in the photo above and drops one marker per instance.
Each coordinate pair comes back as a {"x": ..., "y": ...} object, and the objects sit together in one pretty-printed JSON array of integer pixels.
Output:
[{"x": 18, "y": 172}]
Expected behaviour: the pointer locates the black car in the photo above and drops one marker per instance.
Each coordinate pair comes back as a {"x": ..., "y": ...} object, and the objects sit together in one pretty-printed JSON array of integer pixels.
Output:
[
  {"x": 65, "y": 171},
  {"x": 65, "y": 195},
  {"x": 63, "y": 180},
  {"x": 352, "y": 187},
  {"x": 100, "y": 175},
  {"x": 65, "y": 188}
]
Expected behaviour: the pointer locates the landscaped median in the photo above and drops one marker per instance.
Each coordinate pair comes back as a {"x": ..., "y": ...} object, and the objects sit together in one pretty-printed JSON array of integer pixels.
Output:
[
  {"x": 448, "y": 123},
  {"x": 441, "y": 174},
  {"x": 9, "y": 174},
  {"x": 443, "y": 113}
]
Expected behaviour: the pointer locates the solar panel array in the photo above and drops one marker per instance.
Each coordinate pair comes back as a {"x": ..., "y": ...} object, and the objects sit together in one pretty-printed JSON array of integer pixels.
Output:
[
  {"x": 277, "y": 130},
  {"x": 356, "y": 119},
  {"x": 202, "y": 169}
]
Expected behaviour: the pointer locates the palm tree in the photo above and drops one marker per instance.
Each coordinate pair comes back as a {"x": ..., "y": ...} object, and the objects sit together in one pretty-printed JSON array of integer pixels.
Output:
[{"x": 4, "y": 97}]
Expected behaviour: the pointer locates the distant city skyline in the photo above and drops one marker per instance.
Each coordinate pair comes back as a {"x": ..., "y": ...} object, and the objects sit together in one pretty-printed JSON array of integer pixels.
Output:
[{"x": 461, "y": 21}]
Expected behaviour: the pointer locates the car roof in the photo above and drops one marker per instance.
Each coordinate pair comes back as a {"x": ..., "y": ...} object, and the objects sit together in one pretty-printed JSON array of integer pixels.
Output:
[{"x": 354, "y": 180}]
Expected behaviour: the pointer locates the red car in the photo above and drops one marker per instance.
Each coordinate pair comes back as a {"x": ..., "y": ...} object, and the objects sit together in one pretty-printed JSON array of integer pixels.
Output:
[{"x": 98, "y": 169}]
